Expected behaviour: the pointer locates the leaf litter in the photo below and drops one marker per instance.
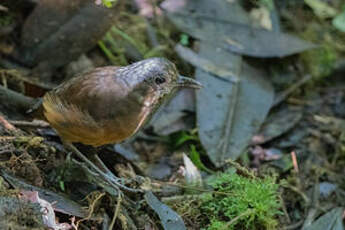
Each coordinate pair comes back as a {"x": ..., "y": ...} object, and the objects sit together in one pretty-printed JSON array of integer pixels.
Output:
[{"x": 236, "y": 106}]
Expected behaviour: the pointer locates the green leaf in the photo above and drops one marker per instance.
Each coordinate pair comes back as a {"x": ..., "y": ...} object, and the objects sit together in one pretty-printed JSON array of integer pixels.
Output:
[
  {"x": 62, "y": 185},
  {"x": 195, "y": 158},
  {"x": 183, "y": 137},
  {"x": 109, "y": 3},
  {"x": 339, "y": 22},
  {"x": 184, "y": 39},
  {"x": 169, "y": 218}
]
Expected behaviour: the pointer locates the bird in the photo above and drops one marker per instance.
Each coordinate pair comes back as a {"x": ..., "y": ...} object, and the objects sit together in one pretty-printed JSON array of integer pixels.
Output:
[{"x": 110, "y": 104}]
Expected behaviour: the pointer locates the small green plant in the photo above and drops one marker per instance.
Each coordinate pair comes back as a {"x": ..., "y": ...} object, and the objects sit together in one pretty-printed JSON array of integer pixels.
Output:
[
  {"x": 184, "y": 39},
  {"x": 180, "y": 138},
  {"x": 239, "y": 202},
  {"x": 109, "y": 3},
  {"x": 195, "y": 158}
]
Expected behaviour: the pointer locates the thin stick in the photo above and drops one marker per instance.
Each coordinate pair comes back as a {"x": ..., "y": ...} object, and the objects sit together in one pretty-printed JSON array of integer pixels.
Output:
[
  {"x": 33, "y": 124},
  {"x": 117, "y": 209},
  {"x": 99, "y": 161},
  {"x": 294, "y": 161},
  {"x": 284, "y": 209},
  {"x": 197, "y": 189},
  {"x": 246, "y": 213},
  {"x": 92, "y": 207},
  {"x": 7, "y": 125},
  {"x": 293, "y": 226},
  {"x": 11, "y": 98}
]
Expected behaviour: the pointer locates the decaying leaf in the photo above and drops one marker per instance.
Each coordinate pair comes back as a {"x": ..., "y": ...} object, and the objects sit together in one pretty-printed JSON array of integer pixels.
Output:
[
  {"x": 229, "y": 112},
  {"x": 169, "y": 218},
  {"x": 227, "y": 11},
  {"x": 48, "y": 214},
  {"x": 236, "y": 98},
  {"x": 192, "y": 174},
  {"x": 332, "y": 220},
  {"x": 57, "y": 32},
  {"x": 277, "y": 124},
  {"x": 232, "y": 35},
  {"x": 62, "y": 204}
]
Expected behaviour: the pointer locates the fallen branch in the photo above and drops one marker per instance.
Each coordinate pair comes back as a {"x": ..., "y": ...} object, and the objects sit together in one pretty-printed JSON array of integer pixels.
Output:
[{"x": 10, "y": 99}]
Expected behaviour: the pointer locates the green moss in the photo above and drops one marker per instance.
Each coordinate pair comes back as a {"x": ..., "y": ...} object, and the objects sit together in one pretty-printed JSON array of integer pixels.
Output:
[
  {"x": 241, "y": 203},
  {"x": 216, "y": 225},
  {"x": 132, "y": 39},
  {"x": 6, "y": 19},
  {"x": 320, "y": 62}
]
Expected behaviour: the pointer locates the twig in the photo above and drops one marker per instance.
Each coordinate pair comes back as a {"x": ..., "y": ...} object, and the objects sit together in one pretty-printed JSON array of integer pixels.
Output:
[
  {"x": 299, "y": 192},
  {"x": 7, "y": 148},
  {"x": 33, "y": 124},
  {"x": 240, "y": 168},
  {"x": 6, "y": 124},
  {"x": 92, "y": 207},
  {"x": 246, "y": 213},
  {"x": 7, "y": 138},
  {"x": 294, "y": 161},
  {"x": 284, "y": 209},
  {"x": 180, "y": 198},
  {"x": 197, "y": 188},
  {"x": 283, "y": 95},
  {"x": 117, "y": 209},
  {"x": 314, "y": 205},
  {"x": 11, "y": 98},
  {"x": 223, "y": 145},
  {"x": 293, "y": 226}
]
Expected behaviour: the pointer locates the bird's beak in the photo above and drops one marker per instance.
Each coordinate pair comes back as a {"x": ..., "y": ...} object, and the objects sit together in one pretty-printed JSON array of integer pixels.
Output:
[{"x": 188, "y": 82}]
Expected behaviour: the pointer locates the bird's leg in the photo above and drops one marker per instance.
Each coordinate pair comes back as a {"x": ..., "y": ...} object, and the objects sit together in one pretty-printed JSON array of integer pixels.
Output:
[
  {"x": 104, "y": 167},
  {"x": 97, "y": 160},
  {"x": 111, "y": 179},
  {"x": 93, "y": 156}
]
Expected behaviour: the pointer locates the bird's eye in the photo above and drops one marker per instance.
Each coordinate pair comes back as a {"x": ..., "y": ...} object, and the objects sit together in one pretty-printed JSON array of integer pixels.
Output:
[{"x": 159, "y": 80}]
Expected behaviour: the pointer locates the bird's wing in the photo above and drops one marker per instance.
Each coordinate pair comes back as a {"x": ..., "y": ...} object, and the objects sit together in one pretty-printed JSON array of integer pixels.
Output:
[{"x": 95, "y": 92}]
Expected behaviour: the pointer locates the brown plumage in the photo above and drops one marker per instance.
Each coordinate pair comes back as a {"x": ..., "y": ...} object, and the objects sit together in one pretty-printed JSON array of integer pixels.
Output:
[{"x": 110, "y": 104}]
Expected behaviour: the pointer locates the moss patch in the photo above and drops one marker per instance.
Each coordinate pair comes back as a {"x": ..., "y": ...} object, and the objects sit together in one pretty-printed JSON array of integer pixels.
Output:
[{"x": 241, "y": 203}]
